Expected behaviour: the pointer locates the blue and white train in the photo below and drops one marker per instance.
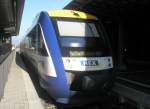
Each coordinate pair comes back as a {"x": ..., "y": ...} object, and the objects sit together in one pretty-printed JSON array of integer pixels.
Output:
[{"x": 72, "y": 55}]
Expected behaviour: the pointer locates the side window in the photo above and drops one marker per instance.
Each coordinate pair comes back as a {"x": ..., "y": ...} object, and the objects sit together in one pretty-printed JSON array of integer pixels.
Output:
[
  {"x": 26, "y": 42},
  {"x": 41, "y": 46},
  {"x": 29, "y": 39},
  {"x": 32, "y": 39},
  {"x": 36, "y": 42}
]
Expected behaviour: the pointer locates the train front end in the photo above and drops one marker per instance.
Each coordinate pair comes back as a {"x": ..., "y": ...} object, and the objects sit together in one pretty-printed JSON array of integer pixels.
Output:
[{"x": 85, "y": 54}]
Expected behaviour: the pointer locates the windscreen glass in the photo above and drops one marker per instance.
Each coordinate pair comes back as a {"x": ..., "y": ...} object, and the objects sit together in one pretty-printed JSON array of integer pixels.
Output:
[{"x": 78, "y": 29}]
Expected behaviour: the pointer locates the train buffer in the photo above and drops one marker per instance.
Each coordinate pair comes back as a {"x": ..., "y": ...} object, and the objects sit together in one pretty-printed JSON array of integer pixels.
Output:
[{"x": 19, "y": 92}]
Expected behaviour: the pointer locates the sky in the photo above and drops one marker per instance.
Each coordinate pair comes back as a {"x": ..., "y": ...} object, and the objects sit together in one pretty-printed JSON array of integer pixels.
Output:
[{"x": 31, "y": 9}]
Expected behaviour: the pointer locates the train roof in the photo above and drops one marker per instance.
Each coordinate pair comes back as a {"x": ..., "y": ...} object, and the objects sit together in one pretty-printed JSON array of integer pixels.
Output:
[{"x": 71, "y": 14}]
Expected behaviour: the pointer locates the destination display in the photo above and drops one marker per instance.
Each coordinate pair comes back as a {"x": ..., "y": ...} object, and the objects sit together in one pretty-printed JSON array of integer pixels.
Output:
[{"x": 87, "y": 64}]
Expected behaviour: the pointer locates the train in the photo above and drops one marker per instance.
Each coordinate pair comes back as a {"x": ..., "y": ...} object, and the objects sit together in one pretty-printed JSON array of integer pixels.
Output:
[{"x": 72, "y": 54}]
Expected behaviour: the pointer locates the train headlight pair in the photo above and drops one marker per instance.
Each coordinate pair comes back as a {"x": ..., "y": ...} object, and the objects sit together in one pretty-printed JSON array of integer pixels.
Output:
[{"x": 77, "y": 53}]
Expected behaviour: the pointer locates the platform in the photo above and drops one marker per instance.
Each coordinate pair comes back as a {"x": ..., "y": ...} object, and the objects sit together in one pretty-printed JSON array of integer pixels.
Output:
[{"x": 19, "y": 92}]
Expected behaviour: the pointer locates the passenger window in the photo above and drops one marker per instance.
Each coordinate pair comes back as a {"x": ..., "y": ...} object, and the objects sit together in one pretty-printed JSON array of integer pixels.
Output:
[
  {"x": 33, "y": 39},
  {"x": 41, "y": 46},
  {"x": 36, "y": 42}
]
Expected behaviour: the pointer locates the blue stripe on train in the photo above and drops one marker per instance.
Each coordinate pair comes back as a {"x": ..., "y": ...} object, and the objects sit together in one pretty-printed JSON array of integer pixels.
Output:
[{"x": 57, "y": 86}]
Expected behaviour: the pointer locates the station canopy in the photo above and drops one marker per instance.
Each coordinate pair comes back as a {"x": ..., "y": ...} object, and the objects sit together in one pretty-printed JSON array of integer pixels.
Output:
[
  {"x": 10, "y": 16},
  {"x": 111, "y": 8}
]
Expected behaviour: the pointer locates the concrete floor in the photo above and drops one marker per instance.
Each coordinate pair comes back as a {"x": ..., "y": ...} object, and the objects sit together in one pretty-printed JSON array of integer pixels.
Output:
[{"x": 19, "y": 92}]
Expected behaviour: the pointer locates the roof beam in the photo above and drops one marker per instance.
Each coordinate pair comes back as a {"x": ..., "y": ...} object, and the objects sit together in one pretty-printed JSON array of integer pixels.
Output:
[{"x": 11, "y": 14}]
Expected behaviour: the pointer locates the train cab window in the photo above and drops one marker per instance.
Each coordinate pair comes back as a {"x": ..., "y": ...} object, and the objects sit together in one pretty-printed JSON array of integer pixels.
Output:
[{"x": 80, "y": 29}]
